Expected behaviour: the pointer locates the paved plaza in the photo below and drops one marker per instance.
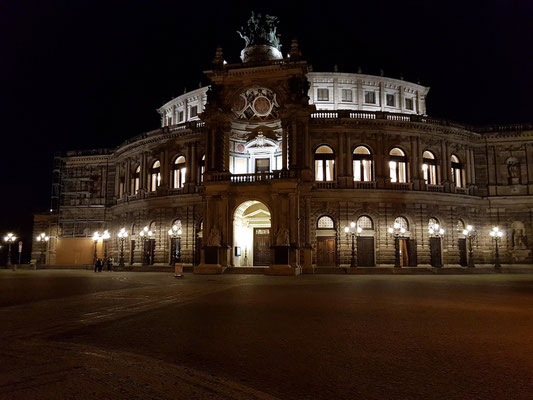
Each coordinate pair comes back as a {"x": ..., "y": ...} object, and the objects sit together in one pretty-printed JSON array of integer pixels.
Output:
[{"x": 126, "y": 335}]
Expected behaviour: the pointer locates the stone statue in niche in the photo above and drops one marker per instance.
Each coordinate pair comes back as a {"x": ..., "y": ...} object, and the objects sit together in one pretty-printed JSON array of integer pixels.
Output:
[
  {"x": 519, "y": 237},
  {"x": 213, "y": 239},
  {"x": 282, "y": 237},
  {"x": 513, "y": 171}
]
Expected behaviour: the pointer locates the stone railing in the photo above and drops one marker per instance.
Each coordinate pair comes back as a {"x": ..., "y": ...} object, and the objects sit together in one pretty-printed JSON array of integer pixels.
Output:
[
  {"x": 435, "y": 188},
  {"x": 326, "y": 185},
  {"x": 383, "y": 115},
  {"x": 365, "y": 185},
  {"x": 401, "y": 186},
  {"x": 250, "y": 178},
  {"x": 460, "y": 190}
]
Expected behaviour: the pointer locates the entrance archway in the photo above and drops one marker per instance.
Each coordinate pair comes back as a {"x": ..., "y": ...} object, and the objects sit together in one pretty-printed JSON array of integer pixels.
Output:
[{"x": 251, "y": 234}]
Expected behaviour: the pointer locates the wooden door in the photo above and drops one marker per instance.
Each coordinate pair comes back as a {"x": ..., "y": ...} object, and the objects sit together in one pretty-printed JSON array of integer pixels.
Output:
[
  {"x": 365, "y": 251},
  {"x": 435, "y": 252},
  {"x": 149, "y": 251},
  {"x": 261, "y": 246},
  {"x": 411, "y": 249},
  {"x": 463, "y": 261},
  {"x": 326, "y": 251}
]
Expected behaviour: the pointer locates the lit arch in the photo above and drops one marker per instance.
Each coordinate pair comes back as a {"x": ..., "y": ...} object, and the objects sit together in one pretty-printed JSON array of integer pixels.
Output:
[
  {"x": 362, "y": 164},
  {"x": 324, "y": 163}
]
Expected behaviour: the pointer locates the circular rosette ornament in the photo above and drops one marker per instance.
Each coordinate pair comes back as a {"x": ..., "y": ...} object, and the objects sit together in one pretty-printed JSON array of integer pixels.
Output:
[{"x": 256, "y": 104}]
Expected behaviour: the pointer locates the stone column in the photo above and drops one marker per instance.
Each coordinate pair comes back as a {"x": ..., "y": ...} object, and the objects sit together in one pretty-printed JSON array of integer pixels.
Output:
[
  {"x": 127, "y": 177},
  {"x": 284, "y": 147},
  {"x": 117, "y": 181},
  {"x": 308, "y": 249}
]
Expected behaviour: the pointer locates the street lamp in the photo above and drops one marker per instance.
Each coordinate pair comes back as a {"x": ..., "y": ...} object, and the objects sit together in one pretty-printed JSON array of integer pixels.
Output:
[
  {"x": 496, "y": 235},
  {"x": 96, "y": 238},
  {"x": 351, "y": 232},
  {"x": 396, "y": 231},
  {"x": 471, "y": 234},
  {"x": 122, "y": 236},
  {"x": 43, "y": 239},
  {"x": 146, "y": 234},
  {"x": 175, "y": 233},
  {"x": 105, "y": 238},
  {"x": 10, "y": 239}
]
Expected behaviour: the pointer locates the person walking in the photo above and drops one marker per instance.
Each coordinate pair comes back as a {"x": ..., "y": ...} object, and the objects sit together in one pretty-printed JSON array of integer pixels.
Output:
[
  {"x": 96, "y": 265},
  {"x": 100, "y": 265}
]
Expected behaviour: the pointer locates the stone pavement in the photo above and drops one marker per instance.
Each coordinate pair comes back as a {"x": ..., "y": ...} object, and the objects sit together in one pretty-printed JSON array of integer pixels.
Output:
[{"x": 80, "y": 335}]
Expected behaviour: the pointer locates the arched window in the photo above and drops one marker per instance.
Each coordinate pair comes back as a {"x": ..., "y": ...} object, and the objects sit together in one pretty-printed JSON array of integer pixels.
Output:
[
  {"x": 121, "y": 187},
  {"x": 398, "y": 166},
  {"x": 365, "y": 223},
  {"x": 135, "y": 180},
  {"x": 325, "y": 222},
  {"x": 324, "y": 164},
  {"x": 457, "y": 171},
  {"x": 401, "y": 222},
  {"x": 202, "y": 168},
  {"x": 433, "y": 223},
  {"x": 155, "y": 176},
  {"x": 429, "y": 168},
  {"x": 178, "y": 172},
  {"x": 362, "y": 164}
]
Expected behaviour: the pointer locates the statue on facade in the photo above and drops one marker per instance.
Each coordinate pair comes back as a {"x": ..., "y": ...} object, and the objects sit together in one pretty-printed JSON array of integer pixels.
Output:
[
  {"x": 282, "y": 237},
  {"x": 518, "y": 236},
  {"x": 513, "y": 171},
  {"x": 213, "y": 239},
  {"x": 261, "y": 39}
]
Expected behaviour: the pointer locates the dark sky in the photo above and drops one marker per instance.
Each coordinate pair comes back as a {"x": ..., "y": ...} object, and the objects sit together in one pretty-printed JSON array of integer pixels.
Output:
[{"x": 85, "y": 74}]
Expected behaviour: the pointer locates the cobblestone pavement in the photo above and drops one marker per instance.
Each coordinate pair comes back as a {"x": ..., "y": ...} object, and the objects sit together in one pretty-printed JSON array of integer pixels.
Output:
[{"x": 80, "y": 335}]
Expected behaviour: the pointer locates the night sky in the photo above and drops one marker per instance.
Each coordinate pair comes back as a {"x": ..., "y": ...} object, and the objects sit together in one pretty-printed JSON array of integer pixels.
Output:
[{"x": 89, "y": 74}]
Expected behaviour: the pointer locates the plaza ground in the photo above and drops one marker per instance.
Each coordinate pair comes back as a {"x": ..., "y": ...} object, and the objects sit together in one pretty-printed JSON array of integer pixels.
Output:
[{"x": 126, "y": 335}]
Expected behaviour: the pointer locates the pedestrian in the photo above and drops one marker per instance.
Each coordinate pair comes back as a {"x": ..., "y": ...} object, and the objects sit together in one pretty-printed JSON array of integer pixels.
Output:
[
  {"x": 109, "y": 264},
  {"x": 100, "y": 265},
  {"x": 96, "y": 265}
]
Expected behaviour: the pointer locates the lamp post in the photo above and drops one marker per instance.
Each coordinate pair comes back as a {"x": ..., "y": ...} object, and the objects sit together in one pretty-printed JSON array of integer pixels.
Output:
[
  {"x": 96, "y": 238},
  {"x": 122, "y": 235},
  {"x": 351, "y": 232},
  {"x": 437, "y": 232},
  {"x": 145, "y": 235},
  {"x": 9, "y": 239},
  {"x": 396, "y": 231},
  {"x": 471, "y": 234},
  {"x": 105, "y": 238},
  {"x": 496, "y": 235},
  {"x": 175, "y": 233},
  {"x": 43, "y": 239}
]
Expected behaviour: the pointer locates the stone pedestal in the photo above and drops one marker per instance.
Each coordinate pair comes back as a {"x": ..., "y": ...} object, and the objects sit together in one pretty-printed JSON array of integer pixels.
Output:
[{"x": 211, "y": 264}]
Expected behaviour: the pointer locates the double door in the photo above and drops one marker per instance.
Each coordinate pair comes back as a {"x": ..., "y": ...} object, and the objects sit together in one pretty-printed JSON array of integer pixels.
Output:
[
  {"x": 326, "y": 249},
  {"x": 149, "y": 252},
  {"x": 261, "y": 246}
]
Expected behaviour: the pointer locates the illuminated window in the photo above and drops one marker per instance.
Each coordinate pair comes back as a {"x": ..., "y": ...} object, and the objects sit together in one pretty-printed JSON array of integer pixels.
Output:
[
  {"x": 409, "y": 104},
  {"x": 325, "y": 222},
  {"x": 202, "y": 168},
  {"x": 365, "y": 223},
  {"x": 401, "y": 222},
  {"x": 238, "y": 165},
  {"x": 370, "y": 97},
  {"x": 322, "y": 94},
  {"x": 362, "y": 164},
  {"x": 457, "y": 171},
  {"x": 155, "y": 176},
  {"x": 135, "y": 180},
  {"x": 178, "y": 172},
  {"x": 429, "y": 168},
  {"x": 398, "y": 166},
  {"x": 193, "y": 111},
  {"x": 347, "y": 95},
  {"x": 324, "y": 164},
  {"x": 390, "y": 100}
]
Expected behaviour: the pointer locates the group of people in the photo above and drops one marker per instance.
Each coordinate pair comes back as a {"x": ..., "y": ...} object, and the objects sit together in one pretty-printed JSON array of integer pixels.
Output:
[{"x": 100, "y": 264}]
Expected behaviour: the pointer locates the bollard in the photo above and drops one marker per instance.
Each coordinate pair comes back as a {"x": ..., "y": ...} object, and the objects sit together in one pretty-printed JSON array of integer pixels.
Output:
[{"x": 178, "y": 270}]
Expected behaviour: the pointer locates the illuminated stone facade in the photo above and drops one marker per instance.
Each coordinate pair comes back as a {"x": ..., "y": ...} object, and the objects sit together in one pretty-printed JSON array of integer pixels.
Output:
[{"x": 251, "y": 166}]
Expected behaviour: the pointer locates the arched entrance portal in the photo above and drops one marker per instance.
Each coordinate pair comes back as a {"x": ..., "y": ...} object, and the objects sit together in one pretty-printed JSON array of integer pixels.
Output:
[{"x": 251, "y": 234}]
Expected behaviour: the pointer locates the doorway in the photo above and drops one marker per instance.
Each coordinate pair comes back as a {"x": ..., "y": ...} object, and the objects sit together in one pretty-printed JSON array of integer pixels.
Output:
[
  {"x": 251, "y": 234},
  {"x": 149, "y": 251},
  {"x": 435, "y": 250},
  {"x": 365, "y": 251},
  {"x": 261, "y": 246},
  {"x": 463, "y": 260},
  {"x": 408, "y": 255},
  {"x": 326, "y": 251}
]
